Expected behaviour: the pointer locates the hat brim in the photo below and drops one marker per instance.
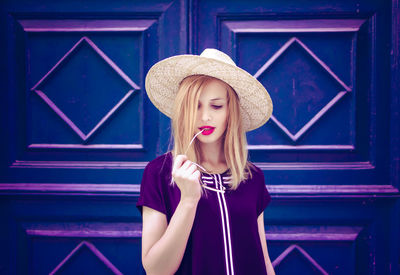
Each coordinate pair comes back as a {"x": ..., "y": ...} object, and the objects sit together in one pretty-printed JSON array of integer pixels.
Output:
[{"x": 163, "y": 79}]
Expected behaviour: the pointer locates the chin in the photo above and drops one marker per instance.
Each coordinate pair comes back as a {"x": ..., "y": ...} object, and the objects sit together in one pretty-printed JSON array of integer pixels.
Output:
[{"x": 208, "y": 140}]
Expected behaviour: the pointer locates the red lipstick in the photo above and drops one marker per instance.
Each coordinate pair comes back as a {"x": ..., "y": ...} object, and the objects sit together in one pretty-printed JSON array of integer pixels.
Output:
[{"x": 208, "y": 130}]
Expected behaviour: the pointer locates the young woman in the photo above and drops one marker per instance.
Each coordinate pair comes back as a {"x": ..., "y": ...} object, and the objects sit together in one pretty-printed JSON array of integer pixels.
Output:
[{"x": 202, "y": 202}]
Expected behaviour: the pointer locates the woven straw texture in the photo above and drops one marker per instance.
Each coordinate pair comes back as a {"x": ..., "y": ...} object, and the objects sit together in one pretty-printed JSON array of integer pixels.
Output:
[{"x": 162, "y": 83}]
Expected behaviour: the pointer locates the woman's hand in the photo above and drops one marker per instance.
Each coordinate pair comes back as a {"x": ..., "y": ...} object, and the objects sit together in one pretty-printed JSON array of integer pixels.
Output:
[
  {"x": 187, "y": 177},
  {"x": 164, "y": 243}
]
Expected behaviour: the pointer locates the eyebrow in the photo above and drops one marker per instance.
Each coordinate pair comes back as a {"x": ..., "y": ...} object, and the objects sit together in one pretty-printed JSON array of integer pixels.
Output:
[{"x": 218, "y": 98}]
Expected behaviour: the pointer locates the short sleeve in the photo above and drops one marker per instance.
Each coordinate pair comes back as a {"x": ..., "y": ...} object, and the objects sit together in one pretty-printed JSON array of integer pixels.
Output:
[
  {"x": 263, "y": 198},
  {"x": 151, "y": 194}
]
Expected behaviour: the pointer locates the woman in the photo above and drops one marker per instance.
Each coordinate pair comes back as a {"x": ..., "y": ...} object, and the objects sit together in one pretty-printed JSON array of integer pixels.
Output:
[{"x": 202, "y": 203}]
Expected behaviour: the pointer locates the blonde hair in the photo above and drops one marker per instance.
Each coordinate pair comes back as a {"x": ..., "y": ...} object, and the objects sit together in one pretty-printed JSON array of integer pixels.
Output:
[{"x": 183, "y": 128}]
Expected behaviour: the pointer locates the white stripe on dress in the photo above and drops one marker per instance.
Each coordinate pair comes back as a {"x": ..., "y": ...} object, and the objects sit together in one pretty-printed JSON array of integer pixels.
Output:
[
  {"x": 228, "y": 226},
  {"x": 226, "y": 179},
  {"x": 210, "y": 178},
  {"x": 223, "y": 228}
]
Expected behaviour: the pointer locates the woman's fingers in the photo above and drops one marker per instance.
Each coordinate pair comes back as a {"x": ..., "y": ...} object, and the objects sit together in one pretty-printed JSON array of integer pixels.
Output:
[
  {"x": 186, "y": 165},
  {"x": 179, "y": 159},
  {"x": 184, "y": 169},
  {"x": 185, "y": 174},
  {"x": 191, "y": 169},
  {"x": 196, "y": 175}
]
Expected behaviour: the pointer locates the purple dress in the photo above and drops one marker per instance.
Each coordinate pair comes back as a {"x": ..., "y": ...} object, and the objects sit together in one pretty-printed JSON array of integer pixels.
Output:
[{"x": 224, "y": 238}]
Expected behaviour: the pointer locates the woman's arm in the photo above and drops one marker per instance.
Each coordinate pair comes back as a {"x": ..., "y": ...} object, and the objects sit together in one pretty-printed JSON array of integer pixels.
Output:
[
  {"x": 261, "y": 232},
  {"x": 163, "y": 244}
]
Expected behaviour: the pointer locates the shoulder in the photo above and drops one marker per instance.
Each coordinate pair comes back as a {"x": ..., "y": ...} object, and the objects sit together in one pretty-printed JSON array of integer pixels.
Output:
[
  {"x": 256, "y": 171},
  {"x": 160, "y": 164}
]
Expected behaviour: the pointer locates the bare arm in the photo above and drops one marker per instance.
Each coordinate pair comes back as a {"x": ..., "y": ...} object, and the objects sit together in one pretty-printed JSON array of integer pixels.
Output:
[
  {"x": 163, "y": 244},
  {"x": 261, "y": 232}
]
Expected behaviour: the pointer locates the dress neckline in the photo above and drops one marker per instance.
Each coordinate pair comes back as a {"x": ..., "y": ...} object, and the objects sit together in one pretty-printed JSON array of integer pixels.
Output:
[
  {"x": 202, "y": 172},
  {"x": 212, "y": 174}
]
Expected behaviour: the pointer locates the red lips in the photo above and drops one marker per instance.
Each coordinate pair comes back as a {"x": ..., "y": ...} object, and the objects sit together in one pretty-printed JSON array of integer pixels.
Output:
[{"x": 209, "y": 130}]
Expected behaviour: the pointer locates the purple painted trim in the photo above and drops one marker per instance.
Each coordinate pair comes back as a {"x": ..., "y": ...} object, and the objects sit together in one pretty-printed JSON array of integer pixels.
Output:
[
  {"x": 332, "y": 189},
  {"x": 298, "y": 26},
  {"x": 311, "y": 236},
  {"x": 307, "y": 256},
  {"x": 395, "y": 136},
  {"x": 95, "y": 251},
  {"x": 325, "y": 25},
  {"x": 128, "y": 190},
  {"x": 323, "y": 65},
  {"x": 101, "y": 54},
  {"x": 310, "y": 52},
  {"x": 111, "y": 63},
  {"x": 71, "y": 187},
  {"x": 90, "y": 230},
  {"x": 84, "y": 146},
  {"x": 84, "y": 233},
  {"x": 363, "y": 197},
  {"x": 301, "y": 147},
  {"x": 119, "y": 230},
  {"x": 318, "y": 116},
  {"x": 85, "y": 25},
  {"x": 395, "y": 104},
  {"x": 91, "y": 194},
  {"x": 315, "y": 166},
  {"x": 80, "y": 164},
  {"x": 274, "y": 57},
  {"x": 307, "y": 233},
  {"x": 63, "y": 116},
  {"x": 142, "y": 165},
  {"x": 109, "y": 114},
  {"x": 310, "y": 123}
]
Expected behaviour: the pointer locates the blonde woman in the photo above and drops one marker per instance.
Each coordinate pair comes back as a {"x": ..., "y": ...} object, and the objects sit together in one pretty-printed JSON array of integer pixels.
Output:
[{"x": 202, "y": 203}]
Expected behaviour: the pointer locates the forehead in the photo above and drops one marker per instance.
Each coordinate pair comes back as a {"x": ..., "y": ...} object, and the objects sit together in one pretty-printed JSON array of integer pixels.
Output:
[{"x": 214, "y": 89}]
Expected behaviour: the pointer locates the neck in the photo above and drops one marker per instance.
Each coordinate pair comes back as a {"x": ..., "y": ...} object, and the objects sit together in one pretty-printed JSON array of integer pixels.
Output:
[{"x": 213, "y": 157}]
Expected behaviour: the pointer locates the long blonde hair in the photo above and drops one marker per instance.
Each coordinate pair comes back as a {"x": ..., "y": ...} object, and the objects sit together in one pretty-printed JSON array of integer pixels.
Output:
[{"x": 183, "y": 128}]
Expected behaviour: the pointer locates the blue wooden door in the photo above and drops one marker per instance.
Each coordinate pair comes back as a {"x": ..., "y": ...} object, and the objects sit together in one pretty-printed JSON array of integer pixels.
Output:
[{"x": 78, "y": 128}]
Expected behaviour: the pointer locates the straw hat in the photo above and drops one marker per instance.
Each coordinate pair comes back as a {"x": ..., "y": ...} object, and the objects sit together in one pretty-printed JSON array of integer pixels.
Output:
[{"x": 163, "y": 79}]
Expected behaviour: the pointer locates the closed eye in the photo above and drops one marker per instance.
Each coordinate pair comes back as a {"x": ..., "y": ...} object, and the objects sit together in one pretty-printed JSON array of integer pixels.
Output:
[{"x": 216, "y": 106}]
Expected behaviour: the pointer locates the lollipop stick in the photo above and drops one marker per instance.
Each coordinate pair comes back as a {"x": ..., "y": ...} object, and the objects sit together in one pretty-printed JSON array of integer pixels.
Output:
[
  {"x": 190, "y": 143},
  {"x": 201, "y": 167}
]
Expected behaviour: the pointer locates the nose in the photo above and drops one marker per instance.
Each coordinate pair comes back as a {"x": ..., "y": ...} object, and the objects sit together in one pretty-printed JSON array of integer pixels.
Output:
[{"x": 205, "y": 115}]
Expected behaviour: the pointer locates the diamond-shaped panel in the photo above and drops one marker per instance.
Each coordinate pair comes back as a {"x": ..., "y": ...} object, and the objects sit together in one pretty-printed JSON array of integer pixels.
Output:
[
  {"x": 85, "y": 88},
  {"x": 85, "y": 258},
  {"x": 295, "y": 260},
  {"x": 302, "y": 87}
]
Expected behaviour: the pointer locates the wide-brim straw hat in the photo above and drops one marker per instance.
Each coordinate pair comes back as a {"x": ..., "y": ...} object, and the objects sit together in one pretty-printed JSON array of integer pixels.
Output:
[{"x": 163, "y": 79}]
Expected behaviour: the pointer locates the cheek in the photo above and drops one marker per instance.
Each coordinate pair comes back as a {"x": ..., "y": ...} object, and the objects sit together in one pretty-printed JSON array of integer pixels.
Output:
[{"x": 224, "y": 118}]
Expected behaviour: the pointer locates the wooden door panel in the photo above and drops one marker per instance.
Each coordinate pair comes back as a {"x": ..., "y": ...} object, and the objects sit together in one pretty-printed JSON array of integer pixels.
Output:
[
  {"x": 89, "y": 79},
  {"x": 81, "y": 129},
  {"x": 322, "y": 152},
  {"x": 79, "y": 101}
]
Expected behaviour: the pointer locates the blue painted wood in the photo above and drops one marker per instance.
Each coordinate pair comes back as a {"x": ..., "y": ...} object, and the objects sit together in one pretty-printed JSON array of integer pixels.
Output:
[{"x": 79, "y": 128}]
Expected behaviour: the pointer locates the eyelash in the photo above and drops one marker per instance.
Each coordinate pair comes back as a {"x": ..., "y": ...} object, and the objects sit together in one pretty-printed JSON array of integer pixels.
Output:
[{"x": 214, "y": 106}]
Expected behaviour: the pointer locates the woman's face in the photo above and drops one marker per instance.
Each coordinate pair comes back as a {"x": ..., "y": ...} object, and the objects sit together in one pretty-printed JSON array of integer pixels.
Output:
[{"x": 212, "y": 112}]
